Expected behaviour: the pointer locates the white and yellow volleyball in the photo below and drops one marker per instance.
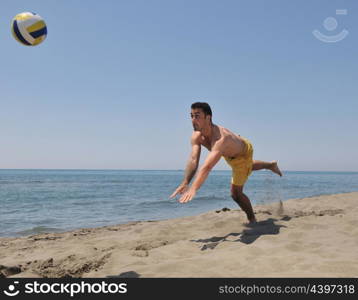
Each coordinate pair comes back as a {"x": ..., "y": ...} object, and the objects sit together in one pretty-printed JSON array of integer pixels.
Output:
[{"x": 29, "y": 29}]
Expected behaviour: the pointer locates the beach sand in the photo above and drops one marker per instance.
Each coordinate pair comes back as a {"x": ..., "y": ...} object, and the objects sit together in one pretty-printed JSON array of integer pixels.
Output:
[{"x": 309, "y": 237}]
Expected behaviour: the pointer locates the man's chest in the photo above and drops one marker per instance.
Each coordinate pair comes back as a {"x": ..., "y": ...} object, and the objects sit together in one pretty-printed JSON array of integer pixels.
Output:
[{"x": 209, "y": 144}]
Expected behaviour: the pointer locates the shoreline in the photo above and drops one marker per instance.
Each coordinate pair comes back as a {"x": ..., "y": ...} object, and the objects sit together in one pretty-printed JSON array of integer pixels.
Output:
[
  {"x": 59, "y": 230},
  {"x": 306, "y": 237}
]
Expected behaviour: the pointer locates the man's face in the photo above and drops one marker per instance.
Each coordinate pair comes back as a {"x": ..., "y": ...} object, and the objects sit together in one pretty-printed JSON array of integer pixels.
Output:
[{"x": 198, "y": 119}]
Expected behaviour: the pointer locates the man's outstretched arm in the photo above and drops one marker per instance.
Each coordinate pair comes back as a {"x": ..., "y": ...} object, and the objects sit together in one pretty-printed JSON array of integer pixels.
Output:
[
  {"x": 191, "y": 166},
  {"x": 203, "y": 173}
]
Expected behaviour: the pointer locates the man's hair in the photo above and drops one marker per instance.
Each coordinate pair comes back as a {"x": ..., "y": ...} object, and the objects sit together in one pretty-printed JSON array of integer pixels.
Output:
[{"x": 204, "y": 106}]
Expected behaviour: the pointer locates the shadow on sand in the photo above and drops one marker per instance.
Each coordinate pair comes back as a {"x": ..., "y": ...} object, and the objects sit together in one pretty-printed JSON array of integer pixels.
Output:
[
  {"x": 247, "y": 236},
  {"x": 130, "y": 274}
]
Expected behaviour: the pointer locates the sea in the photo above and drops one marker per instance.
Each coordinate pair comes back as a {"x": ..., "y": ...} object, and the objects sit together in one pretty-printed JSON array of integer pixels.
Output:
[{"x": 39, "y": 201}]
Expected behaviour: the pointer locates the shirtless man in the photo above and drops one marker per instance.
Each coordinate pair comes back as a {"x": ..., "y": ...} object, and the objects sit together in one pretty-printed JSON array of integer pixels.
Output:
[{"x": 237, "y": 151}]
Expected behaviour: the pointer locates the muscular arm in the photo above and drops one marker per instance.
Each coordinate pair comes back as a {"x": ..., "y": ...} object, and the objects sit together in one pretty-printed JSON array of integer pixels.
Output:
[
  {"x": 192, "y": 165},
  {"x": 203, "y": 173},
  {"x": 212, "y": 159},
  {"x": 193, "y": 161}
]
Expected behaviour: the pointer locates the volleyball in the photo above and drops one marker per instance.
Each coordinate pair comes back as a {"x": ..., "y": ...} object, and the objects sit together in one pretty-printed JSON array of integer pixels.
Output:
[{"x": 29, "y": 28}]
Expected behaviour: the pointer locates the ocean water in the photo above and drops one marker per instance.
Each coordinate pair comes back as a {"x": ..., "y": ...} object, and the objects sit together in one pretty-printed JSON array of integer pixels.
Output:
[{"x": 37, "y": 201}]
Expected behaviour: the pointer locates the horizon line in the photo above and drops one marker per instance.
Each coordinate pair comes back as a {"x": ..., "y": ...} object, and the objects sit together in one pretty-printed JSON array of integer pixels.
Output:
[{"x": 91, "y": 169}]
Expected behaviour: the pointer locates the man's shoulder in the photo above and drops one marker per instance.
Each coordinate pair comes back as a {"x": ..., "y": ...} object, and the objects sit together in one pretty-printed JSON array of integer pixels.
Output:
[
  {"x": 196, "y": 137},
  {"x": 226, "y": 131}
]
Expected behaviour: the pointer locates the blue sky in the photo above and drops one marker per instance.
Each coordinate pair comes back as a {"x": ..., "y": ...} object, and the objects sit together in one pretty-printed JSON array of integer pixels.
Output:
[{"x": 111, "y": 86}]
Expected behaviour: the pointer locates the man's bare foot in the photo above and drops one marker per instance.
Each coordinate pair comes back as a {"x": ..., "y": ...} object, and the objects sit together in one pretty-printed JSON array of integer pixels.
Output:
[
  {"x": 249, "y": 223},
  {"x": 274, "y": 168},
  {"x": 252, "y": 221}
]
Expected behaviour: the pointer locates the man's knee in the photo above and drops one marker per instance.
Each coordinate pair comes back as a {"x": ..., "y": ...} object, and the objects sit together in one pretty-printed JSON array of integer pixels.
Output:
[{"x": 236, "y": 192}]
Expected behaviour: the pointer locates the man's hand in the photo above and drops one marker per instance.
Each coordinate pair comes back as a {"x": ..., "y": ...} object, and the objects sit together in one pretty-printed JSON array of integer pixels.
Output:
[
  {"x": 188, "y": 196},
  {"x": 180, "y": 190}
]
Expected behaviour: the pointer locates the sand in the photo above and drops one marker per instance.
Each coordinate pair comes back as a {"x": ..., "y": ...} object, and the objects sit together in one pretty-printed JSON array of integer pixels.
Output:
[{"x": 309, "y": 237}]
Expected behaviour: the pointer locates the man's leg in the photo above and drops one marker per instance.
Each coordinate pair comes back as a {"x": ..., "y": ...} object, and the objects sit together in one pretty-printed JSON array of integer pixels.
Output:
[
  {"x": 243, "y": 201},
  {"x": 259, "y": 165}
]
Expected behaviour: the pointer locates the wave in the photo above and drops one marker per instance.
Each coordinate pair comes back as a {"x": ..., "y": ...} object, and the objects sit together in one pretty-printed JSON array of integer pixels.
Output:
[
  {"x": 38, "y": 230},
  {"x": 174, "y": 201},
  {"x": 21, "y": 182}
]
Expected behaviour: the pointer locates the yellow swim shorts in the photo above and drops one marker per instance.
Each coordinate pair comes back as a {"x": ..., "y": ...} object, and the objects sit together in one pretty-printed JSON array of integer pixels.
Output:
[{"x": 241, "y": 166}]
